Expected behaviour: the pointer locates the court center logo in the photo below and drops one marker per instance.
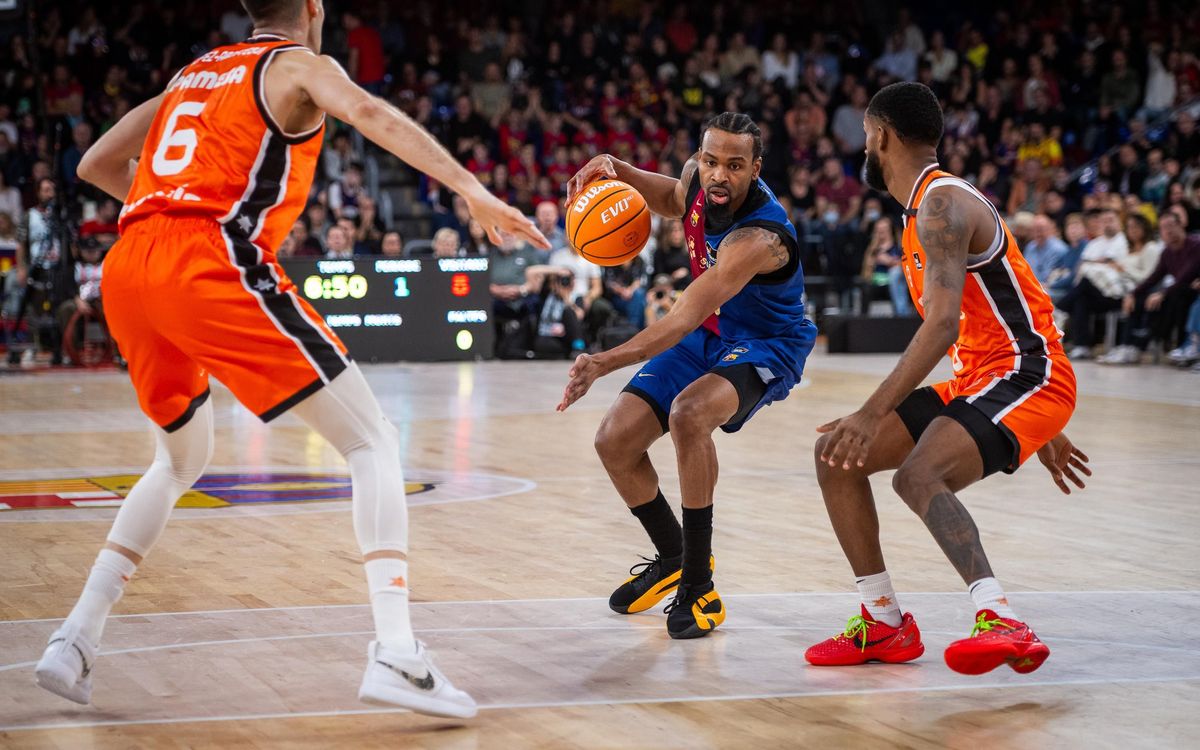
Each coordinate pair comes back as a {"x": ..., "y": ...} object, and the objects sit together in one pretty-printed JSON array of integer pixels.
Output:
[{"x": 270, "y": 491}]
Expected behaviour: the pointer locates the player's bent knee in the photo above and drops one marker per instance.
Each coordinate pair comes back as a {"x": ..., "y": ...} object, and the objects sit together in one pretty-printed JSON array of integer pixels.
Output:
[
  {"x": 689, "y": 418},
  {"x": 186, "y": 472},
  {"x": 613, "y": 447},
  {"x": 185, "y": 453},
  {"x": 915, "y": 486},
  {"x": 818, "y": 451}
]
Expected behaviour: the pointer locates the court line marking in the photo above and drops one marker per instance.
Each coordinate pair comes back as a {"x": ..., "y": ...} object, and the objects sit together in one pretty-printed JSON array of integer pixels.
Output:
[
  {"x": 552, "y": 628},
  {"x": 1018, "y": 594},
  {"x": 515, "y": 486},
  {"x": 615, "y": 702}
]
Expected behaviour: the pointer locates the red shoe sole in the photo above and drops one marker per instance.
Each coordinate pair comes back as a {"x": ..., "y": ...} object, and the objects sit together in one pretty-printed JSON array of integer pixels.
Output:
[
  {"x": 892, "y": 656},
  {"x": 1022, "y": 657},
  {"x": 1033, "y": 658}
]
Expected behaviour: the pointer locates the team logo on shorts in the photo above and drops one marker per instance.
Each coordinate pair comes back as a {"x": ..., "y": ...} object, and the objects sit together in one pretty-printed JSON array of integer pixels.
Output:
[
  {"x": 212, "y": 491},
  {"x": 729, "y": 358}
]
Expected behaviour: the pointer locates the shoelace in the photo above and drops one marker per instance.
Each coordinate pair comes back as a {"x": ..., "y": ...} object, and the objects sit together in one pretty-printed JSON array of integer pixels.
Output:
[
  {"x": 856, "y": 627},
  {"x": 683, "y": 593},
  {"x": 646, "y": 567},
  {"x": 984, "y": 625}
]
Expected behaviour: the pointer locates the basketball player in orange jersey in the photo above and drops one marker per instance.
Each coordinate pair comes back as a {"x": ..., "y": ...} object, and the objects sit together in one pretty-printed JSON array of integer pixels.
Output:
[
  {"x": 227, "y": 155},
  {"x": 1012, "y": 394}
]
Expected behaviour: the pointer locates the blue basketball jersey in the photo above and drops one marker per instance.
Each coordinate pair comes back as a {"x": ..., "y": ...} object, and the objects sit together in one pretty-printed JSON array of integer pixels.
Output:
[{"x": 771, "y": 305}]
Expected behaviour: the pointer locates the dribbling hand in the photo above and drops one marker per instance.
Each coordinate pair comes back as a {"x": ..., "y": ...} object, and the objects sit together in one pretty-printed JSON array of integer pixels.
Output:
[
  {"x": 1061, "y": 458},
  {"x": 600, "y": 167},
  {"x": 583, "y": 373}
]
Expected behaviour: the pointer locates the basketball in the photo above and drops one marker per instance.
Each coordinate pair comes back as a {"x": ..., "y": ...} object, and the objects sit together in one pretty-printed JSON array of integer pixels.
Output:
[{"x": 608, "y": 222}]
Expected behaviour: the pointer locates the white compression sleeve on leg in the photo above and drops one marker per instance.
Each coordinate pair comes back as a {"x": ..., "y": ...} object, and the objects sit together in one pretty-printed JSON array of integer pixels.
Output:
[
  {"x": 179, "y": 460},
  {"x": 346, "y": 414}
]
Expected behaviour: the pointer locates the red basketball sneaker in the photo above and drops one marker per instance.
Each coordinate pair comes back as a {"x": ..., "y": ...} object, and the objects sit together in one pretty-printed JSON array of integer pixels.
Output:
[
  {"x": 866, "y": 640},
  {"x": 993, "y": 641}
]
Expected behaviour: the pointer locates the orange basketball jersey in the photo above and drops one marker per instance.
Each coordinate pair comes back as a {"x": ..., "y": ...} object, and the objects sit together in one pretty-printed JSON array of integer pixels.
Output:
[
  {"x": 215, "y": 151},
  {"x": 1006, "y": 314}
]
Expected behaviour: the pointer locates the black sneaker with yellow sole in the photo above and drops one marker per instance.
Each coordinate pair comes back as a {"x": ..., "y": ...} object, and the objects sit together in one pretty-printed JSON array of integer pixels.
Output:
[
  {"x": 696, "y": 611},
  {"x": 647, "y": 586}
]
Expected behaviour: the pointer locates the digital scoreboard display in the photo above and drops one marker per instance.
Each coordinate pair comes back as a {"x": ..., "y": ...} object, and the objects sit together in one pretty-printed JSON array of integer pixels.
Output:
[{"x": 393, "y": 309}]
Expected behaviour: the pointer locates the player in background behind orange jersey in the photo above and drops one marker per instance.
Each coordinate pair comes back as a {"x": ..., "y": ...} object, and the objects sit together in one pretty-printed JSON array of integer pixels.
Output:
[
  {"x": 192, "y": 288},
  {"x": 1012, "y": 394}
]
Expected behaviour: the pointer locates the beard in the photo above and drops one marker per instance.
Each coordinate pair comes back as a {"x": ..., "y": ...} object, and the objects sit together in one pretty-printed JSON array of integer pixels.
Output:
[
  {"x": 718, "y": 213},
  {"x": 873, "y": 173}
]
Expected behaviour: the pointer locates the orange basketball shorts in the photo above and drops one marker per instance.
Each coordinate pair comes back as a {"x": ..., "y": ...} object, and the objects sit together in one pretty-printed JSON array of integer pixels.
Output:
[
  {"x": 184, "y": 301},
  {"x": 1011, "y": 410}
]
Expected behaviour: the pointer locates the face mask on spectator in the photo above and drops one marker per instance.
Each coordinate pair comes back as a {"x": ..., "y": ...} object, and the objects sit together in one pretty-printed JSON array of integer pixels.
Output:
[
  {"x": 872, "y": 215},
  {"x": 831, "y": 216}
]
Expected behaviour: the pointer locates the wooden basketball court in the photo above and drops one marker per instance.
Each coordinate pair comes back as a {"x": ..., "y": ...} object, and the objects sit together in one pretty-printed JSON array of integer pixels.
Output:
[{"x": 247, "y": 625}]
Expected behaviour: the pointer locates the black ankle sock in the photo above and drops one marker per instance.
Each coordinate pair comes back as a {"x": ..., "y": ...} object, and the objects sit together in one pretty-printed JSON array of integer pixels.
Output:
[
  {"x": 697, "y": 545},
  {"x": 659, "y": 522}
]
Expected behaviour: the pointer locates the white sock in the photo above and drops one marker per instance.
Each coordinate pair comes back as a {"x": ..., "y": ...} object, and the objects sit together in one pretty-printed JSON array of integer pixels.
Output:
[
  {"x": 104, "y": 587},
  {"x": 387, "y": 580},
  {"x": 987, "y": 594},
  {"x": 879, "y": 598}
]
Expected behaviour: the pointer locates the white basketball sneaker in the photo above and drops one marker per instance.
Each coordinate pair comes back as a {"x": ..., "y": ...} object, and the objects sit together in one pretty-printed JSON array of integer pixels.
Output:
[
  {"x": 411, "y": 681},
  {"x": 65, "y": 668}
]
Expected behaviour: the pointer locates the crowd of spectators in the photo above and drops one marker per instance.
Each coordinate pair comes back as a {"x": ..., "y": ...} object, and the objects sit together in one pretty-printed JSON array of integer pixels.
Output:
[{"x": 1076, "y": 119}]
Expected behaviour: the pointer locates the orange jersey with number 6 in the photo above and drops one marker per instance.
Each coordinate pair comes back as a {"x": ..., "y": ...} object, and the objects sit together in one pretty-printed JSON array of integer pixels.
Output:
[
  {"x": 193, "y": 288},
  {"x": 215, "y": 151}
]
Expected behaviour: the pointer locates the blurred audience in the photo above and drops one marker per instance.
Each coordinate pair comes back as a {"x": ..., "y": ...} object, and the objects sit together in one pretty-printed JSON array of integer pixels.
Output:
[{"x": 1080, "y": 115}]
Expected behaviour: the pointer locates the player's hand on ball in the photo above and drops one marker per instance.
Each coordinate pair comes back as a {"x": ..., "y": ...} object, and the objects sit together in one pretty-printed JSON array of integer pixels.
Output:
[
  {"x": 849, "y": 440},
  {"x": 583, "y": 373},
  {"x": 496, "y": 217},
  {"x": 1062, "y": 459},
  {"x": 599, "y": 168}
]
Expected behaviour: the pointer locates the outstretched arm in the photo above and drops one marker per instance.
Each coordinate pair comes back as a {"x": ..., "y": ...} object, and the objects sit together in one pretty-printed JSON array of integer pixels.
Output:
[
  {"x": 945, "y": 226},
  {"x": 325, "y": 82},
  {"x": 109, "y": 164},
  {"x": 744, "y": 254}
]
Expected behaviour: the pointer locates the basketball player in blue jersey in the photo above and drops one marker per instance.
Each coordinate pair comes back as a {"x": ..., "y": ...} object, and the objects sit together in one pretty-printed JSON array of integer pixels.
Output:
[{"x": 736, "y": 341}]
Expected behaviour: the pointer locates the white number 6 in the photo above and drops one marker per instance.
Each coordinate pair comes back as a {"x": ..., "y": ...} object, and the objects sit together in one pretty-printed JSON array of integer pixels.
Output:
[{"x": 184, "y": 138}]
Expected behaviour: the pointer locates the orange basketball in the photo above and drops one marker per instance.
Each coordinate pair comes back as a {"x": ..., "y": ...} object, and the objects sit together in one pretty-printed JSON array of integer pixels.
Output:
[{"x": 608, "y": 222}]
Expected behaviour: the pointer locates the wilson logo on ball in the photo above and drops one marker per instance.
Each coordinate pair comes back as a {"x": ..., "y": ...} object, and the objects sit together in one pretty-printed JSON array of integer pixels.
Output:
[
  {"x": 609, "y": 223},
  {"x": 591, "y": 191}
]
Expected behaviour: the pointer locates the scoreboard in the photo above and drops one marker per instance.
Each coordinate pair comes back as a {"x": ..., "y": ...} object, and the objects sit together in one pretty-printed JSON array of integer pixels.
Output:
[{"x": 392, "y": 309}]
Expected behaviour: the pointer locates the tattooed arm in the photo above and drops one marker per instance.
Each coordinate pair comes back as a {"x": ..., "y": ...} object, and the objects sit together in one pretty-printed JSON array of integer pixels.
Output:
[
  {"x": 946, "y": 224},
  {"x": 944, "y": 228},
  {"x": 744, "y": 254}
]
